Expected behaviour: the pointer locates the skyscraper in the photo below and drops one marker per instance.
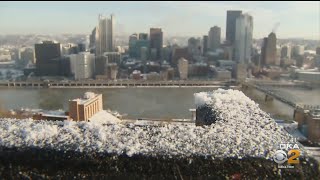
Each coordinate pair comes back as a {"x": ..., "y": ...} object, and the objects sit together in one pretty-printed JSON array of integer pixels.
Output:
[
  {"x": 205, "y": 45},
  {"x": 156, "y": 41},
  {"x": 231, "y": 25},
  {"x": 110, "y": 33},
  {"x": 101, "y": 36},
  {"x": 104, "y": 38},
  {"x": 269, "y": 50},
  {"x": 92, "y": 40},
  {"x": 214, "y": 38},
  {"x": 243, "y": 39}
]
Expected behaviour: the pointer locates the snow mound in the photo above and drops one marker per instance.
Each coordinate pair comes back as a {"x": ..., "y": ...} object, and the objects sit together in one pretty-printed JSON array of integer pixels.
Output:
[
  {"x": 104, "y": 117},
  {"x": 245, "y": 131}
]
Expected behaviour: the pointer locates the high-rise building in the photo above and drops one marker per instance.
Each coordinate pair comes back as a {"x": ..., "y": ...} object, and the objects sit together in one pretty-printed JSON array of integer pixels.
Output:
[
  {"x": 183, "y": 68},
  {"x": 101, "y": 36},
  {"x": 28, "y": 55},
  {"x": 82, "y": 65},
  {"x": 231, "y": 25},
  {"x": 47, "y": 55},
  {"x": 205, "y": 45},
  {"x": 243, "y": 39},
  {"x": 194, "y": 46},
  {"x": 286, "y": 52},
  {"x": 270, "y": 50},
  {"x": 143, "y": 36},
  {"x": 92, "y": 39},
  {"x": 156, "y": 41},
  {"x": 104, "y": 38},
  {"x": 214, "y": 38},
  {"x": 110, "y": 33},
  {"x": 132, "y": 43}
]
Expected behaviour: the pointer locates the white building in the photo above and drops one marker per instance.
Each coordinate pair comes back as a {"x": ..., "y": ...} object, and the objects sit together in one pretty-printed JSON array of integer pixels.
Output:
[
  {"x": 82, "y": 65},
  {"x": 243, "y": 39},
  {"x": 183, "y": 68}
]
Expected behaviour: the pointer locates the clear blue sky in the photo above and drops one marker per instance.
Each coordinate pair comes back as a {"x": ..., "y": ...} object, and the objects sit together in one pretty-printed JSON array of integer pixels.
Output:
[{"x": 297, "y": 19}]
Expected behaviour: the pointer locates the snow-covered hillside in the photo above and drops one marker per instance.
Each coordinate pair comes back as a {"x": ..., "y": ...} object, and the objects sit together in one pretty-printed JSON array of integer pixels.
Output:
[{"x": 244, "y": 130}]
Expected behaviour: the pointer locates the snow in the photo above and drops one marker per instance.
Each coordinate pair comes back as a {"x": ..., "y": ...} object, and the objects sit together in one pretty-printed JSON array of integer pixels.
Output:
[
  {"x": 244, "y": 130},
  {"x": 88, "y": 95},
  {"x": 104, "y": 117}
]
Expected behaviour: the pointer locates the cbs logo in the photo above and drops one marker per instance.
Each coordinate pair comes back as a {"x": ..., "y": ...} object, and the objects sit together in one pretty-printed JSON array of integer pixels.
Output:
[{"x": 281, "y": 156}]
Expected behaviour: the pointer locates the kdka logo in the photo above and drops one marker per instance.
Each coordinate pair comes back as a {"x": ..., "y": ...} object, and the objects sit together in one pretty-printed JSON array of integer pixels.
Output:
[{"x": 289, "y": 153}]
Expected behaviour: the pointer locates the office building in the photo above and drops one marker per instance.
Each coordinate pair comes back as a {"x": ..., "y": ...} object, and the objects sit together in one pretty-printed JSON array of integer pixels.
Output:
[
  {"x": 92, "y": 39},
  {"x": 156, "y": 41},
  {"x": 104, "y": 38},
  {"x": 101, "y": 36},
  {"x": 194, "y": 46},
  {"x": 136, "y": 44},
  {"x": 143, "y": 36},
  {"x": 243, "y": 39},
  {"x": 28, "y": 55},
  {"x": 180, "y": 53},
  {"x": 183, "y": 68},
  {"x": 110, "y": 33},
  {"x": 82, "y": 109},
  {"x": 204, "y": 45},
  {"x": 269, "y": 50},
  {"x": 286, "y": 52},
  {"x": 82, "y": 65},
  {"x": 48, "y": 57},
  {"x": 231, "y": 25},
  {"x": 214, "y": 38}
]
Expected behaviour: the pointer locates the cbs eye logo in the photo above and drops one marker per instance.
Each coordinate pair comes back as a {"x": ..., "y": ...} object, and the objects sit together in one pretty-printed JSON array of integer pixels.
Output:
[{"x": 281, "y": 156}]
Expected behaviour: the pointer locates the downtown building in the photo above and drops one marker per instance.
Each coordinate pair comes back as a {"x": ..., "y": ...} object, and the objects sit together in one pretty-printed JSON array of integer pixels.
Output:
[
  {"x": 104, "y": 42},
  {"x": 49, "y": 61},
  {"x": 156, "y": 43},
  {"x": 214, "y": 38},
  {"x": 82, "y": 65},
  {"x": 269, "y": 50},
  {"x": 243, "y": 45},
  {"x": 231, "y": 25}
]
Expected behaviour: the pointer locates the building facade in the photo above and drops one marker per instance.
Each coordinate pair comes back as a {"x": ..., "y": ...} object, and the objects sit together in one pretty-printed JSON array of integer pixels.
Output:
[
  {"x": 82, "y": 109},
  {"x": 82, "y": 65},
  {"x": 214, "y": 38},
  {"x": 204, "y": 45},
  {"x": 183, "y": 68},
  {"x": 156, "y": 41},
  {"x": 231, "y": 25},
  {"x": 243, "y": 39}
]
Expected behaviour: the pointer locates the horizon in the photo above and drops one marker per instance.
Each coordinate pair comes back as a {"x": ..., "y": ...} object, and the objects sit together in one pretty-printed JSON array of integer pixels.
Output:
[{"x": 141, "y": 16}]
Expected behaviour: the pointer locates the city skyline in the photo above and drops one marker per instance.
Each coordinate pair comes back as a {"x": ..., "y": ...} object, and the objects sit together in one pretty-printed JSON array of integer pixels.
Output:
[{"x": 55, "y": 17}]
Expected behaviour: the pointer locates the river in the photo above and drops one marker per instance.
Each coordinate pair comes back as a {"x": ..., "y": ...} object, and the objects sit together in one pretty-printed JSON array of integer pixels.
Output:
[{"x": 136, "y": 102}]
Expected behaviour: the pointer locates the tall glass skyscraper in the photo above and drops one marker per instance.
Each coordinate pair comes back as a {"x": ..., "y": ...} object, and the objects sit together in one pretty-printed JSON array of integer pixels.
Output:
[
  {"x": 243, "y": 39},
  {"x": 231, "y": 25}
]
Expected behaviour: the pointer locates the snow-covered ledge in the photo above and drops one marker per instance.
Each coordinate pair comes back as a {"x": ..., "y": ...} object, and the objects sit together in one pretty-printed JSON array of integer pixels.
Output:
[{"x": 242, "y": 130}]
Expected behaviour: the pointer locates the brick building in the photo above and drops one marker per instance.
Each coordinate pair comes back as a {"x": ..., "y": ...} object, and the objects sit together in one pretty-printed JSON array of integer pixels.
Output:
[{"x": 82, "y": 109}]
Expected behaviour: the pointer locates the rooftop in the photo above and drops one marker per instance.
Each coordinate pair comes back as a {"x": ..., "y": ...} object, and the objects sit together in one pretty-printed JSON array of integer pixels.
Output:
[{"x": 87, "y": 97}]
